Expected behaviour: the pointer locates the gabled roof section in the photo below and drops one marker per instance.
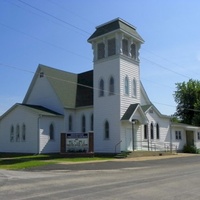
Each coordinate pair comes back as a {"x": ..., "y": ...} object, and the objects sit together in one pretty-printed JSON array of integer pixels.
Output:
[
  {"x": 114, "y": 25},
  {"x": 63, "y": 83},
  {"x": 129, "y": 112},
  {"x": 145, "y": 108},
  {"x": 84, "y": 95},
  {"x": 135, "y": 112},
  {"x": 41, "y": 110}
]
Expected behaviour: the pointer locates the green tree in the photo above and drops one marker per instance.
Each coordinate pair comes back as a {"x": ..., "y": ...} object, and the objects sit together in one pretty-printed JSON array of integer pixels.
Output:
[{"x": 187, "y": 97}]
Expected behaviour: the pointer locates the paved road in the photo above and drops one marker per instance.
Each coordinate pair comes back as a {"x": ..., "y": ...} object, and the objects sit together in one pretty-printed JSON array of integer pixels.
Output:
[{"x": 164, "y": 179}]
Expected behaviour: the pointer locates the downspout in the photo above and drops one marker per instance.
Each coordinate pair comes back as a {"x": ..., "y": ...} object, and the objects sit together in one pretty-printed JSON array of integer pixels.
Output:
[
  {"x": 38, "y": 134},
  {"x": 170, "y": 132}
]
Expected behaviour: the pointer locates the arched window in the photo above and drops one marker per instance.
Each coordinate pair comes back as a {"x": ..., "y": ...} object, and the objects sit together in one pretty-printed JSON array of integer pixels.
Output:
[
  {"x": 92, "y": 122},
  {"x": 126, "y": 85},
  {"x": 12, "y": 134},
  {"x": 70, "y": 123},
  {"x": 133, "y": 51},
  {"x": 106, "y": 130},
  {"x": 125, "y": 47},
  {"x": 134, "y": 88},
  {"x": 111, "y": 86},
  {"x": 17, "y": 133},
  {"x": 152, "y": 133},
  {"x": 23, "y": 133},
  {"x": 157, "y": 131},
  {"x": 51, "y": 132},
  {"x": 101, "y": 88},
  {"x": 145, "y": 131},
  {"x": 111, "y": 47},
  {"x": 100, "y": 50},
  {"x": 83, "y": 124}
]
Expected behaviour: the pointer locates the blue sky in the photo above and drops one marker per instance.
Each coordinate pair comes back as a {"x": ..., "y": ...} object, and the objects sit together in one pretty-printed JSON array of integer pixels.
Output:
[{"x": 55, "y": 33}]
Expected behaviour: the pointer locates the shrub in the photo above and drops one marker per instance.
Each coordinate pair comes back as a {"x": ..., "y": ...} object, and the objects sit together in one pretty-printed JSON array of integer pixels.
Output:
[{"x": 190, "y": 149}]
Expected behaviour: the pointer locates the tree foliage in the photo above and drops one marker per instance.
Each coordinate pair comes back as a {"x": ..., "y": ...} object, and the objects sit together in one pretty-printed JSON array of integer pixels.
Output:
[{"x": 187, "y": 97}]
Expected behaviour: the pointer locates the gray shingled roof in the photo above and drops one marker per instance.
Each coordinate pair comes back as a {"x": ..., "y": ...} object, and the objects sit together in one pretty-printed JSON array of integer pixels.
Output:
[
  {"x": 63, "y": 83},
  {"x": 41, "y": 110},
  {"x": 145, "y": 107},
  {"x": 114, "y": 25},
  {"x": 129, "y": 111}
]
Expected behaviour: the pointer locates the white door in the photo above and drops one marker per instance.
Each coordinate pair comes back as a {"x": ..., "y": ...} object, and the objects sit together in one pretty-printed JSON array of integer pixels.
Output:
[{"x": 129, "y": 141}]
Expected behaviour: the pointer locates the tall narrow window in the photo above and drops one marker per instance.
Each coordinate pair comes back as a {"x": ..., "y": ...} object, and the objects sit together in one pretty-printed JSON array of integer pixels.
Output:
[
  {"x": 92, "y": 122},
  {"x": 111, "y": 47},
  {"x": 198, "y": 135},
  {"x": 12, "y": 134},
  {"x": 23, "y": 133},
  {"x": 106, "y": 130},
  {"x": 178, "y": 135},
  {"x": 157, "y": 132},
  {"x": 145, "y": 131},
  {"x": 134, "y": 88},
  {"x": 83, "y": 128},
  {"x": 70, "y": 123},
  {"x": 101, "y": 50},
  {"x": 126, "y": 85},
  {"x": 51, "y": 132},
  {"x": 17, "y": 133},
  {"x": 133, "y": 51},
  {"x": 152, "y": 133},
  {"x": 101, "y": 88},
  {"x": 111, "y": 86},
  {"x": 125, "y": 46}
]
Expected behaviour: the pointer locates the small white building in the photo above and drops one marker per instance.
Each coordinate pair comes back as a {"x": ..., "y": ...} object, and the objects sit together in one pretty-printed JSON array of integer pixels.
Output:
[{"x": 108, "y": 100}]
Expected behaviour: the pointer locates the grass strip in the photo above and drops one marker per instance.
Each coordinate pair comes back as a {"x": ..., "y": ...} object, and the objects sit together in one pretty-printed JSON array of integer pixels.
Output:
[{"x": 18, "y": 161}]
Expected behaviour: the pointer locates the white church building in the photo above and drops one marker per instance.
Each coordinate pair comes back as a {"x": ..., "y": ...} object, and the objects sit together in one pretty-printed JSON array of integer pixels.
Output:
[{"x": 109, "y": 101}]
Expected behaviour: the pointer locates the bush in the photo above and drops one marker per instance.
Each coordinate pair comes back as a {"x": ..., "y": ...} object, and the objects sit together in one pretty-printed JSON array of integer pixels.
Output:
[{"x": 190, "y": 149}]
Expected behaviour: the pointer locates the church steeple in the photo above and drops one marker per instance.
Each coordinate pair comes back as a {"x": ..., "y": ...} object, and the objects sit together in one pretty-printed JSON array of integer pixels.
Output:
[
  {"x": 115, "y": 37},
  {"x": 116, "y": 79}
]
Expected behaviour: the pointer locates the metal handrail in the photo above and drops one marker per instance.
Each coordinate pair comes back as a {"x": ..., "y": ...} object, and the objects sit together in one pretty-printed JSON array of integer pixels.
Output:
[
  {"x": 151, "y": 145},
  {"x": 117, "y": 145}
]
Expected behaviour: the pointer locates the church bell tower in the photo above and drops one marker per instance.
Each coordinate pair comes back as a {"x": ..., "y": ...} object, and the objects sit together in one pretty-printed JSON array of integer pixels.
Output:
[{"x": 115, "y": 47}]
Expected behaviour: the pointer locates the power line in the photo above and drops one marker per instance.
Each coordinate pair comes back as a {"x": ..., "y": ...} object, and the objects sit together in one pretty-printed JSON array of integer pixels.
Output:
[
  {"x": 48, "y": 14},
  {"x": 43, "y": 41},
  {"x": 54, "y": 17}
]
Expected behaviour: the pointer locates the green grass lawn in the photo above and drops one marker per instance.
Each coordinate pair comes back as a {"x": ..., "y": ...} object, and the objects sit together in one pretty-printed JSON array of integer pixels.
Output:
[{"x": 19, "y": 161}]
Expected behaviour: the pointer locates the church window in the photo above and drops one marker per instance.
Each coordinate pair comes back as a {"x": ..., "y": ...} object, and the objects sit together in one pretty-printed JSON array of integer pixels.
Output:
[
  {"x": 126, "y": 85},
  {"x": 83, "y": 123},
  {"x": 178, "y": 135},
  {"x": 145, "y": 131},
  {"x": 92, "y": 122},
  {"x": 12, "y": 134},
  {"x": 106, "y": 130},
  {"x": 133, "y": 51},
  {"x": 134, "y": 88},
  {"x": 101, "y": 88},
  {"x": 70, "y": 123},
  {"x": 51, "y": 132},
  {"x": 111, "y": 86},
  {"x": 23, "y": 133},
  {"x": 157, "y": 132},
  {"x": 152, "y": 133},
  {"x": 111, "y": 47},
  {"x": 17, "y": 133},
  {"x": 101, "y": 50},
  {"x": 125, "y": 47}
]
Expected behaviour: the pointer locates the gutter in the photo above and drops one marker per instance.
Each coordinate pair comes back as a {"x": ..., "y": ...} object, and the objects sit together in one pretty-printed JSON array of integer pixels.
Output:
[{"x": 38, "y": 134}]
